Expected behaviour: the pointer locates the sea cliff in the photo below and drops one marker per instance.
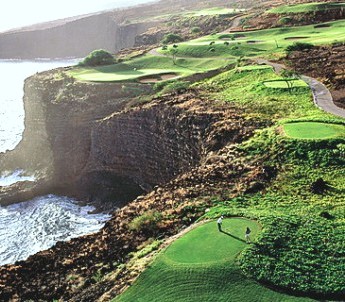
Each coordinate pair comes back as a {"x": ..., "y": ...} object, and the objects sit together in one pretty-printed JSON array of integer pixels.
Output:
[{"x": 92, "y": 141}]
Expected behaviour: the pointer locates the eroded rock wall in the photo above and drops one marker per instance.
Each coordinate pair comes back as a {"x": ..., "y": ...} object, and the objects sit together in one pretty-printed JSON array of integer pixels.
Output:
[
  {"x": 60, "y": 115},
  {"x": 168, "y": 132}
]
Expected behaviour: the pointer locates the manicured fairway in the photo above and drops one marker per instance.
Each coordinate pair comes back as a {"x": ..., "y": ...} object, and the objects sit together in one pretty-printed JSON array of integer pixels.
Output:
[
  {"x": 313, "y": 130},
  {"x": 305, "y": 8},
  {"x": 147, "y": 65},
  {"x": 201, "y": 266},
  {"x": 261, "y": 42}
]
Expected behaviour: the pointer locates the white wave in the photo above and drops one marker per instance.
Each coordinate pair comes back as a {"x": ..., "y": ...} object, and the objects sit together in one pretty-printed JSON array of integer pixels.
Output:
[
  {"x": 29, "y": 227},
  {"x": 8, "y": 179}
]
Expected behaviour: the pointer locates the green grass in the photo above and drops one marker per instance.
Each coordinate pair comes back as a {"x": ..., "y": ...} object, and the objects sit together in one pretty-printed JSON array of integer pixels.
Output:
[
  {"x": 313, "y": 130},
  {"x": 305, "y": 8},
  {"x": 145, "y": 66},
  {"x": 285, "y": 84},
  {"x": 245, "y": 89},
  {"x": 260, "y": 43},
  {"x": 254, "y": 68},
  {"x": 210, "y": 52},
  {"x": 201, "y": 266}
]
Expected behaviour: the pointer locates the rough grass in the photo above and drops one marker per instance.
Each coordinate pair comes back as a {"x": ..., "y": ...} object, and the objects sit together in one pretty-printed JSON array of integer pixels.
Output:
[
  {"x": 305, "y": 8},
  {"x": 285, "y": 84},
  {"x": 313, "y": 130},
  {"x": 247, "y": 91},
  {"x": 201, "y": 266}
]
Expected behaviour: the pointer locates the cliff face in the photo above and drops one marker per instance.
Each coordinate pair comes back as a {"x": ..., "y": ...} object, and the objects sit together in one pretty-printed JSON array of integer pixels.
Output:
[
  {"x": 178, "y": 138},
  {"x": 70, "y": 38},
  {"x": 80, "y": 140},
  {"x": 59, "y": 117}
]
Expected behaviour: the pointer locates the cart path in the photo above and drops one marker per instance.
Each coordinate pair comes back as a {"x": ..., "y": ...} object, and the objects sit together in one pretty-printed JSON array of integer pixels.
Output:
[{"x": 322, "y": 96}]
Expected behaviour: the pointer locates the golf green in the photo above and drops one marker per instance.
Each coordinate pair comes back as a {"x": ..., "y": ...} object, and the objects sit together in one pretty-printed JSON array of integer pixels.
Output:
[{"x": 313, "y": 130}]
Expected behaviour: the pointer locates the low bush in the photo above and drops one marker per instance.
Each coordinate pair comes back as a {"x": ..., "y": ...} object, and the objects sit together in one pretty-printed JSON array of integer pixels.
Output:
[
  {"x": 98, "y": 58},
  {"x": 171, "y": 38},
  {"x": 146, "y": 223},
  {"x": 299, "y": 46}
]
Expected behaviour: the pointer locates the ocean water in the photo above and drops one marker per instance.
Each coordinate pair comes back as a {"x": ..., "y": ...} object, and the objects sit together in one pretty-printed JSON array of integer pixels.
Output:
[{"x": 32, "y": 226}]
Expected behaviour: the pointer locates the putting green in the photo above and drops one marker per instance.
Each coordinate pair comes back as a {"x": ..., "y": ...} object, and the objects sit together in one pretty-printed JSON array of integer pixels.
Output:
[
  {"x": 313, "y": 130},
  {"x": 205, "y": 244},
  {"x": 200, "y": 266}
]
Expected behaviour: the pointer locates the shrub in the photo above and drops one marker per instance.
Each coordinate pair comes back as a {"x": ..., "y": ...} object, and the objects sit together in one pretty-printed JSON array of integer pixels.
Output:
[
  {"x": 195, "y": 30},
  {"x": 298, "y": 46},
  {"x": 285, "y": 20},
  {"x": 171, "y": 38},
  {"x": 146, "y": 222},
  {"x": 97, "y": 58}
]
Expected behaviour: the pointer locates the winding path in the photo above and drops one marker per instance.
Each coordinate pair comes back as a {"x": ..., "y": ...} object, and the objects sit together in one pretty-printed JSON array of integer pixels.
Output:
[{"x": 322, "y": 96}]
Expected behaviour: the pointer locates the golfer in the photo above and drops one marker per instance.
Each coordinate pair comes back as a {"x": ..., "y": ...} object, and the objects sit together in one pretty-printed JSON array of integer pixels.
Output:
[
  {"x": 247, "y": 235},
  {"x": 219, "y": 223}
]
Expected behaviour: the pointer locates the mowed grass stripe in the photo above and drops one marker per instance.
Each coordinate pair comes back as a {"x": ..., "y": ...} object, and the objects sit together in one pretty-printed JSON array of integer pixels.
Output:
[{"x": 201, "y": 266}]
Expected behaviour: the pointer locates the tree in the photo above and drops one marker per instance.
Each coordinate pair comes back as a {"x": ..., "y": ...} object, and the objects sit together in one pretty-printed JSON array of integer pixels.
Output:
[
  {"x": 173, "y": 51},
  {"x": 171, "y": 38},
  {"x": 98, "y": 57}
]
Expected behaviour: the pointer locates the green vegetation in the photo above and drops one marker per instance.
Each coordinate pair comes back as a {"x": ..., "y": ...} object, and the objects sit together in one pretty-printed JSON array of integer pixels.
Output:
[
  {"x": 145, "y": 66},
  {"x": 146, "y": 222},
  {"x": 306, "y": 8},
  {"x": 97, "y": 58},
  {"x": 285, "y": 84},
  {"x": 299, "y": 46},
  {"x": 246, "y": 89},
  {"x": 301, "y": 246},
  {"x": 211, "y": 52},
  {"x": 200, "y": 266},
  {"x": 314, "y": 130},
  {"x": 261, "y": 43},
  {"x": 171, "y": 38}
]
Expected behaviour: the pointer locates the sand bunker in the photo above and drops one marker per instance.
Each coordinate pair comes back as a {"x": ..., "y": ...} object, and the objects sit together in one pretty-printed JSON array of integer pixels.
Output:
[{"x": 157, "y": 78}]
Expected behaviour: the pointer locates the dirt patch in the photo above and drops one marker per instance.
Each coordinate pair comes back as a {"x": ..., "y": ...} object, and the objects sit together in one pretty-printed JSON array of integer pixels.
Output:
[
  {"x": 339, "y": 97},
  {"x": 295, "y": 38},
  {"x": 324, "y": 63},
  {"x": 157, "y": 78}
]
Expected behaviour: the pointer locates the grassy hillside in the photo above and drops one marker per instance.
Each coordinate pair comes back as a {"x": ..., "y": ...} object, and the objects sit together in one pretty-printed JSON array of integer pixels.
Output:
[
  {"x": 306, "y": 8},
  {"x": 298, "y": 197},
  {"x": 301, "y": 246},
  {"x": 211, "y": 52}
]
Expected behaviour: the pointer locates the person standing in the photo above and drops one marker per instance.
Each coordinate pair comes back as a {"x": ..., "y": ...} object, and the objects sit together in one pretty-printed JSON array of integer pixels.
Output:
[
  {"x": 219, "y": 223},
  {"x": 247, "y": 235}
]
